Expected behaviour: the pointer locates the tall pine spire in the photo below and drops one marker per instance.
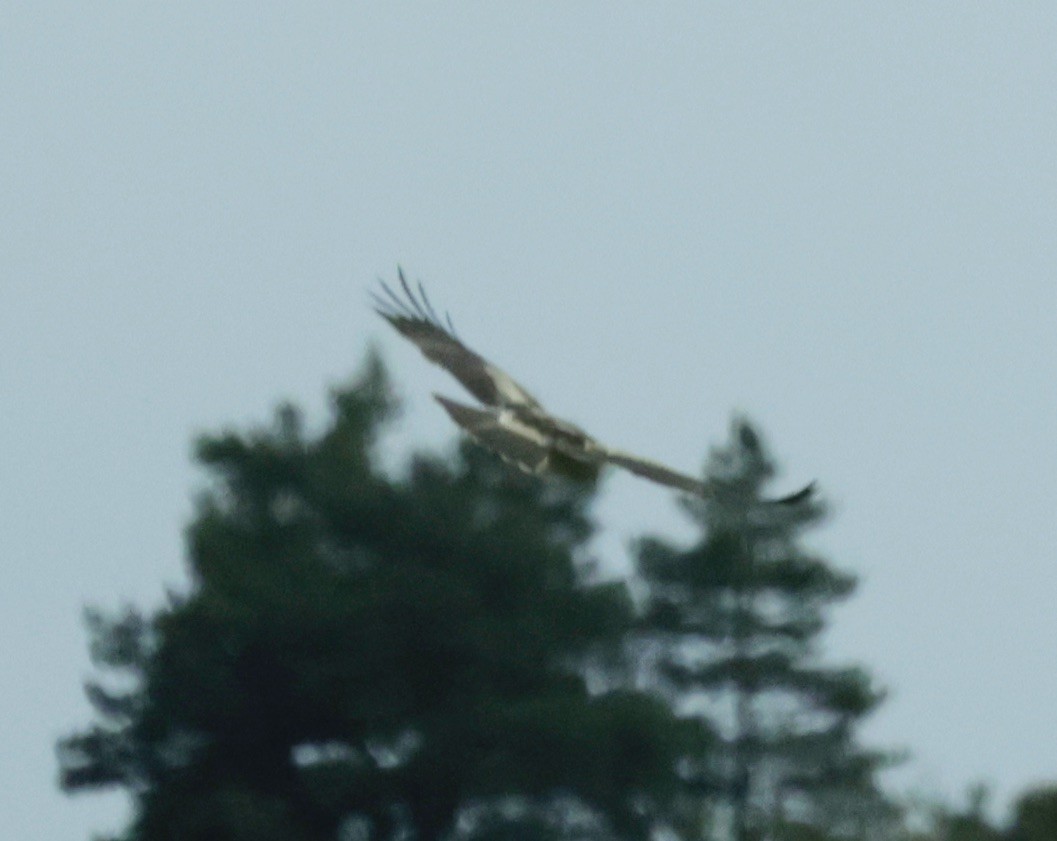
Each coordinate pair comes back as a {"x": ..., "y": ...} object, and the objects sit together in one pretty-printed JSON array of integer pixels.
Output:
[{"x": 733, "y": 622}]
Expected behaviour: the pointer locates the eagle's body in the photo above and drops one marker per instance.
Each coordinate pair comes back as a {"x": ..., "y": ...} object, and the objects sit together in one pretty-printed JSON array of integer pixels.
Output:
[{"x": 512, "y": 423}]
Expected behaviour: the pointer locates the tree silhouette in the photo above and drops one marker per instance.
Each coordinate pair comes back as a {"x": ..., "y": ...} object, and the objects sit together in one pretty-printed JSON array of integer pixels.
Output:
[
  {"x": 363, "y": 656},
  {"x": 1035, "y": 815},
  {"x": 732, "y": 625}
]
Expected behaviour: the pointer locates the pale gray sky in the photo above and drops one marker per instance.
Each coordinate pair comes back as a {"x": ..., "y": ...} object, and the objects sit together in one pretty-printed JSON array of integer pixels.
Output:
[{"x": 837, "y": 218}]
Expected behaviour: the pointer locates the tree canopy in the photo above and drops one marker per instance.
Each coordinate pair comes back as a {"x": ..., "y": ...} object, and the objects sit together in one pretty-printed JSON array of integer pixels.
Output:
[
  {"x": 368, "y": 656},
  {"x": 374, "y": 656}
]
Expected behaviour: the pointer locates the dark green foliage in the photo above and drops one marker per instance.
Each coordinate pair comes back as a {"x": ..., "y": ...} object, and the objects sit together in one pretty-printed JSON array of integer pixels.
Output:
[
  {"x": 1034, "y": 819},
  {"x": 966, "y": 824},
  {"x": 1035, "y": 815},
  {"x": 733, "y": 622},
  {"x": 374, "y": 657}
]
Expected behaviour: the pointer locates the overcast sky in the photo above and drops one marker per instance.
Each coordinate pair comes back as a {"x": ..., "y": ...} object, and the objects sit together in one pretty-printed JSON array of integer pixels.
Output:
[{"x": 838, "y": 219}]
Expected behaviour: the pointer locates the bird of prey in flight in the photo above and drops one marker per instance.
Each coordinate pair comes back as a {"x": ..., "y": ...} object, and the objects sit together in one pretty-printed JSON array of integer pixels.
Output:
[{"x": 511, "y": 422}]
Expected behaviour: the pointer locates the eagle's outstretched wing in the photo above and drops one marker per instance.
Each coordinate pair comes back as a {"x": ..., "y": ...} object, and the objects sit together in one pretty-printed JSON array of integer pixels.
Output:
[
  {"x": 658, "y": 473},
  {"x": 415, "y": 319},
  {"x": 688, "y": 484}
]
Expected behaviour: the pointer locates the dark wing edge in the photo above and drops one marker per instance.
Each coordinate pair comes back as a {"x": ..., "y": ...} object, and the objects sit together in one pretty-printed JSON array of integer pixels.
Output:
[
  {"x": 802, "y": 495},
  {"x": 412, "y": 308},
  {"x": 414, "y": 318}
]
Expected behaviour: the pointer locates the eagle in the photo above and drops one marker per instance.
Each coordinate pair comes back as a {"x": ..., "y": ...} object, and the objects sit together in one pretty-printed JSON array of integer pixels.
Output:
[{"x": 511, "y": 422}]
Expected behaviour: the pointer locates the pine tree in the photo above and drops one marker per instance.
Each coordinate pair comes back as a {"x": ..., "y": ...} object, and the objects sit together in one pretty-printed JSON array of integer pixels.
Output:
[
  {"x": 360, "y": 656},
  {"x": 1035, "y": 815},
  {"x": 733, "y": 623}
]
